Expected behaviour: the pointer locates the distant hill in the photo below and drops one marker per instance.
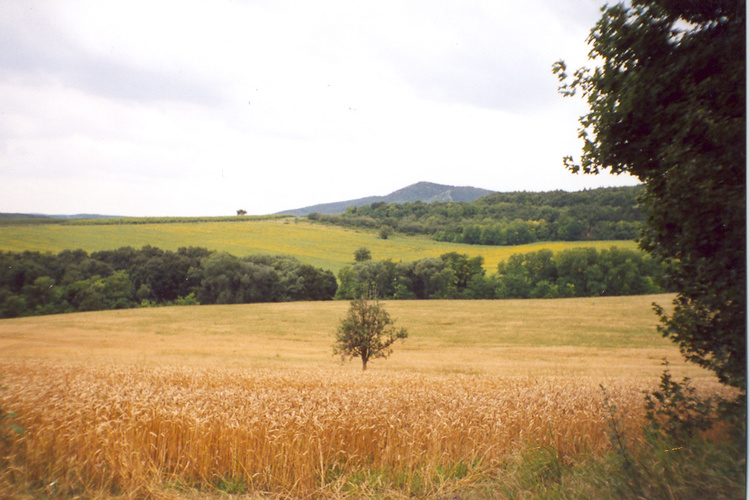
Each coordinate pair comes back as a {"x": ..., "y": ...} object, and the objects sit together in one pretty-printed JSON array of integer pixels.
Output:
[
  {"x": 13, "y": 216},
  {"x": 22, "y": 216},
  {"x": 508, "y": 218},
  {"x": 426, "y": 192}
]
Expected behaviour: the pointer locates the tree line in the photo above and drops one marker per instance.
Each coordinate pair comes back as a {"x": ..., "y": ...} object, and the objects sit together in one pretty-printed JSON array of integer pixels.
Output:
[
  {"x": 577, "y": 272},
  {"x": 507, "y": 218},
  {"x": 34, "y": 283}
]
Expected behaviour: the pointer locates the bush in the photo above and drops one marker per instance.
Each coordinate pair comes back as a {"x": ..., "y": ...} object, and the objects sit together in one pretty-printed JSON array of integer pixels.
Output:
[
  {"x": 8, "y": 429},
  {"x": 674, "y": 410},
  {"x": 385, "y": 232}
]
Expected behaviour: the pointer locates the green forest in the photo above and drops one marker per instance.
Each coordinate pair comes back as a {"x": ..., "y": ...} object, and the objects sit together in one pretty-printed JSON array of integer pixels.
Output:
[
  {"x": 34, "y": 283},
  {"x": 576, "y": 272},
  {"x": 507, "y": 218}
]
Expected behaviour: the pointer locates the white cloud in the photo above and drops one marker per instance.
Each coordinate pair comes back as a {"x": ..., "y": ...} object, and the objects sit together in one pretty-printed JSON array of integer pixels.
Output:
[{"x": 198, "y": 108}]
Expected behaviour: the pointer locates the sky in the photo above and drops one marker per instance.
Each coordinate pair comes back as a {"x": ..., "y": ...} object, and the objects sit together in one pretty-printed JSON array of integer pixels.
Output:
[{"x": 202, "y": 108}]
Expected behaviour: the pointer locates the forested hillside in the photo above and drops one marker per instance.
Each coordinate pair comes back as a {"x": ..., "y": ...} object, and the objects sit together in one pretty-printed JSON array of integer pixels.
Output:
[
  {"x": 74, "y": 280},
  {"x": 426, "y": 192},
  {"x": 507, "y": 218}
]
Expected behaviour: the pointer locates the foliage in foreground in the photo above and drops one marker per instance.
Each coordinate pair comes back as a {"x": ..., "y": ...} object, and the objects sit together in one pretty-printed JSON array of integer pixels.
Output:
[
  {"x": 660, "y": 469},
  {"x": 667, "y": 104}
]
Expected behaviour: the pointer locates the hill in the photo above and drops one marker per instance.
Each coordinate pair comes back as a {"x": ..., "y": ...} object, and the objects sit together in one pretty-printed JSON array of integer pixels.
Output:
[
  {"x": 45, "y": 217},
  {"x": 508, "y": 218},
  {"x": 320, "y": 245},
  {"x": 426, "y": 192}
]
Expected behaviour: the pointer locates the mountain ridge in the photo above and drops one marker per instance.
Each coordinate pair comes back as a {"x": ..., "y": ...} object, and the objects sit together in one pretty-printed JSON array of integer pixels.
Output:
[{"x": 426, "y": 192}]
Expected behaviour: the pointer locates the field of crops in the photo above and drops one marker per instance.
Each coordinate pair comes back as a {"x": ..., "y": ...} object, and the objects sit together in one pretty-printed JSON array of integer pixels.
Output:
[
  {"x": 297, "y": 431},
  {"x": 329, "y": 247},
  {"x": 168, "y": 402},
  {"x": 195, "y": 402}
]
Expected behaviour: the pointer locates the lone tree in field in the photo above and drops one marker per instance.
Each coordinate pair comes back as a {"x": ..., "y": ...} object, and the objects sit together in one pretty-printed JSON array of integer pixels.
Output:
[
  {"x": 362, "y": 254},
  {"x": 667, "y": 105},
  {"x": 366, "y": 332}
]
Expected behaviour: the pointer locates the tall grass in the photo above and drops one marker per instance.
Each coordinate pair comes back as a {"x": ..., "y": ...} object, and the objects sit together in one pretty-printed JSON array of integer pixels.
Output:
[
  {"x": 93, "y": 428},
  {"x": 486, "y": 398}
]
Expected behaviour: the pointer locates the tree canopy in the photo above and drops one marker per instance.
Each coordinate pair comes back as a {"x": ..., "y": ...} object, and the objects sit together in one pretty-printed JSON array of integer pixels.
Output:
[
  {"x": 667, "y": 105},
  {"x": 575, "y": 272},
  {"x": 367, "y": 332},
  {"x": 33, "y": 283}
]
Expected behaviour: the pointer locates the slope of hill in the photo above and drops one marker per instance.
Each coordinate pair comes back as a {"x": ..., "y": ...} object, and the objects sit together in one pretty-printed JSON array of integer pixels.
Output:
[
  {"x": 326, "y": 246},
  {"x": 20, "y": 216},
  {"x": 426, "y": 192},
  {"x": 508, "y": 218}
]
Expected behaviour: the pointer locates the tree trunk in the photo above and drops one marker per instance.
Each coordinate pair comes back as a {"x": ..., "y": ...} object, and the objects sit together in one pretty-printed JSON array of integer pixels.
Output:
[{"x": 364, "y": 363}]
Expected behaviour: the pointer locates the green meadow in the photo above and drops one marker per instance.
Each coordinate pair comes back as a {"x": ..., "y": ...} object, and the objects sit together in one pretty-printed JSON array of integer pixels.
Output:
[{"x": 325, "y": 246}]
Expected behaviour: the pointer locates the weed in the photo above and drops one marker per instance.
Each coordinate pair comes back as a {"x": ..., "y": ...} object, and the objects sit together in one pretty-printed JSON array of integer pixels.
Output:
[
  {"x": 9, "y": 429},
  {"x": 676, "y": 410},
  {"x": 541, "y": 466},
  {"x": 616, "y": 435},
  {"x": 230, "y": 485}
]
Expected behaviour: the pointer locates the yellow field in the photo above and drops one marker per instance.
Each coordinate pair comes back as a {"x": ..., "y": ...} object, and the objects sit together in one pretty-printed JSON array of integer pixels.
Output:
[
  {"x": 329, "y": 247},
  {"x": 586, "y": 336},
  {"x": 159, "y": 402},
  {"x": 294, "y": 432}
]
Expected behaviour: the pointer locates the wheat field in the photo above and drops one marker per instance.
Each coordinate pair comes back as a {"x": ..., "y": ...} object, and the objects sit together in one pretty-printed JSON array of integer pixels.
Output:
[
  {"x": 208, "y": 401},
  {"x": 290, "y": 432}
]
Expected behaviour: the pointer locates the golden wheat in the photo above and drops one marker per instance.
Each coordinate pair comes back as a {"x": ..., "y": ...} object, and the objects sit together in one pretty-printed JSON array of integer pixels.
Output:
[{"x": 128, "y": 428}]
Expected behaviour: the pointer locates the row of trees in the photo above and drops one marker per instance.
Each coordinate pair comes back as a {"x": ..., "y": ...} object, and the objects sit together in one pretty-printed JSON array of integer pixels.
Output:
[
  {"x": 578, "y": 272},
  {"x": 508, "y": 218},
  {"x": 33, "y": 283}
]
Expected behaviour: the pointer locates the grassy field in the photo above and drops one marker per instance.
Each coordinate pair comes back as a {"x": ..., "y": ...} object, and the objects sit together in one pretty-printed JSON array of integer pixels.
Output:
[
  {"x": 592, "y": 336},
  {"x": 329, "y": 247},
  {"x": 485, "y": 399}
]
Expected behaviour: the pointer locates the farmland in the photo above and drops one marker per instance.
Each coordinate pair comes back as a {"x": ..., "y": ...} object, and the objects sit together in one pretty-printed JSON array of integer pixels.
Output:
[
  {"x": 519, "y": 337},
  {"x": 325, "y": 246},
  {"x": 173, "y": 402},
  {"x": 485, "y": 399}
]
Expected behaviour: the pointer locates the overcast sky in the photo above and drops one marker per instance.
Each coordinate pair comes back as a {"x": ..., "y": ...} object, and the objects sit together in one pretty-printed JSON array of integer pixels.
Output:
[{"x": 149, "y": 108}]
